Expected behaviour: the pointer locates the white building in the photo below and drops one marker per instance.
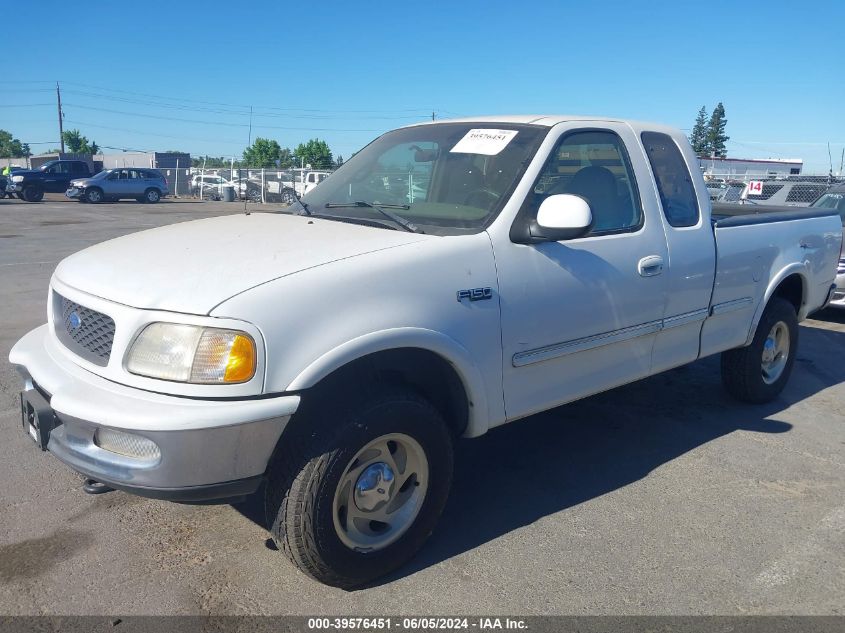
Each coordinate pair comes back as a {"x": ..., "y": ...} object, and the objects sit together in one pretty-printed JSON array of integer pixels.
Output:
[{"x": 742, "y": 167}]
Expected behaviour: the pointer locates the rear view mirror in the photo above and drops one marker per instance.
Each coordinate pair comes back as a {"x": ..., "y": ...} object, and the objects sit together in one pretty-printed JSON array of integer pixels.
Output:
[
  {"x": 562, "y": 217},
  {"x": 423, "y": 155}
]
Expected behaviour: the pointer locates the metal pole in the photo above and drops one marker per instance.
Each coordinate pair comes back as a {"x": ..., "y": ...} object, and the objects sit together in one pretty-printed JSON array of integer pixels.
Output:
[
  {"x": 176, "y": 184},
  {"x": 262, "y": 186},
  {"x": 61, "y": 129}
]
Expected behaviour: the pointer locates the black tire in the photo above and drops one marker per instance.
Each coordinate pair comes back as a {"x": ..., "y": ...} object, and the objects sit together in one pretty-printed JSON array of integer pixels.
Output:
[
  {"x": 94, "y": 195},
  {"x": 152, "y": 196},
  {"x": 310, "y": 462},
  {"x": 742, "y": 368},
  {"x": 32, "y": 194},
  {"x": 19, "y": 195},
  {"x": 288, "y": 196}
]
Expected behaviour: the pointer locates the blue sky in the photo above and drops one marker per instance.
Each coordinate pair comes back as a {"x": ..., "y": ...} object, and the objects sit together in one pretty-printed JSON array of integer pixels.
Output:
[{"x": 182, "y": 75}]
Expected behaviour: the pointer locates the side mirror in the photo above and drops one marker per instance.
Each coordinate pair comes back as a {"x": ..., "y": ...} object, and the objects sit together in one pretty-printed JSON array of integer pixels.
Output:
[{"x": 561, "y": 217}]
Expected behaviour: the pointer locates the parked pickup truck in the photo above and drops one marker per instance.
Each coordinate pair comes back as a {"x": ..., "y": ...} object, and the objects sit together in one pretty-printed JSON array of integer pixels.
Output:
[
  {"x": 51, "y": 177},
  {"x": 335, "y": 350}
]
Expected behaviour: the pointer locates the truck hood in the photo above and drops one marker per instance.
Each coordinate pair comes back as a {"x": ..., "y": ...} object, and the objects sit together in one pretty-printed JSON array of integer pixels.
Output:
[{"x": 194, "y": 266}]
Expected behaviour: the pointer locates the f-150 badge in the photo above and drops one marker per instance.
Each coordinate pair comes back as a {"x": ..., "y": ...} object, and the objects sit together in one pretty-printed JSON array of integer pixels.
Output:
[{"x": 475, "y": 294}]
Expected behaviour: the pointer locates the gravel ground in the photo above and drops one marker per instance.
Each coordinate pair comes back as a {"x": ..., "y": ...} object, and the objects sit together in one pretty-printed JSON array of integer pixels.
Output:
[{"x": 662, "y": 497}]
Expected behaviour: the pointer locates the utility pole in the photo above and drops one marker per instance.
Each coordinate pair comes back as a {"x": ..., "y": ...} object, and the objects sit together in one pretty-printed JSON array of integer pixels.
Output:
[
  {"x": 432, "y": 116},
  {"x": 61, "y": 131}
]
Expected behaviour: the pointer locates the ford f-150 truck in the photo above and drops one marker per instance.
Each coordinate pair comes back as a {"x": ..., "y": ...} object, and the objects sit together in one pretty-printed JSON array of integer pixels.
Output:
[
  {"x": 51, "y": 177},
  {"x": 334, "y": 350}
]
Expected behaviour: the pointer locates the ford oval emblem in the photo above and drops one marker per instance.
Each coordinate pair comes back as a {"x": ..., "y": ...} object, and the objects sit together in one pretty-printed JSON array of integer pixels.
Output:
[{"x": 74, "y": 321}]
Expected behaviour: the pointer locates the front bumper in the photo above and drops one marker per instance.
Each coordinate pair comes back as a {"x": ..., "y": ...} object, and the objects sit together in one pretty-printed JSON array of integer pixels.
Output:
[
  {"x": 209, "y": 449},
  {"x": 13, "y": 188},
  {"x": 75, "y": 192}
]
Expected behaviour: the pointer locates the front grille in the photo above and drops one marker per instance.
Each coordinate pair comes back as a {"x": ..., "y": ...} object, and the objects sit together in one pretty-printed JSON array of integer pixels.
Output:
[{"x": 84, "y": 331}]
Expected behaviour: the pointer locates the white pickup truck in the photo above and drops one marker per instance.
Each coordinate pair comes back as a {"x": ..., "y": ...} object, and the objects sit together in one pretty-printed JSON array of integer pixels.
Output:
[{"x": 334, "y": 350}]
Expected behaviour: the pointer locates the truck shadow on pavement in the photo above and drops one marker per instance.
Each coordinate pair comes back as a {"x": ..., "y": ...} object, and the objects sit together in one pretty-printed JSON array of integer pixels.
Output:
[{"x": 533, "y": 468}]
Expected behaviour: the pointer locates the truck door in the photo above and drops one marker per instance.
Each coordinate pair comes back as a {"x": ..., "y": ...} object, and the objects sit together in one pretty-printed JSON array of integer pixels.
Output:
[
  {"x": 56, "y": 178},
  {"x": 581, "y": 316},
  {"x": 692, "y": 250}
]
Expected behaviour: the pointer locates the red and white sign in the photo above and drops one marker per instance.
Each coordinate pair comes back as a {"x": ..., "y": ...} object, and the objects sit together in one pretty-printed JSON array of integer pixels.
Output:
[{"x": 755, "y": 188}]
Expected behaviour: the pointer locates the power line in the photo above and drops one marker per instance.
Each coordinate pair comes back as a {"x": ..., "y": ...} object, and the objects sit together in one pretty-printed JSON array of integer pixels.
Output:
[
  {"x": 171, "y": 136},
  {"x": 238, "y": 105},
  {"x": 218, "y": 123}
]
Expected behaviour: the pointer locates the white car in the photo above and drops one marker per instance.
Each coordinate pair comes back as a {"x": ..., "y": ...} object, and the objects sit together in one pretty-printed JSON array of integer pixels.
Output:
[{"x": 335, "y": 352}]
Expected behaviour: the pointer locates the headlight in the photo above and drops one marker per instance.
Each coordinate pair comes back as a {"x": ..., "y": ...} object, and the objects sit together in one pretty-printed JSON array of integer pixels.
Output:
[
  {"x": 17, "y": 178},
  {"x": 190, "y": 353}
]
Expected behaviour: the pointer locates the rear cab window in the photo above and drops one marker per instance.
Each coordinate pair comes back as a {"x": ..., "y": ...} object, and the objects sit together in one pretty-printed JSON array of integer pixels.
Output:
[{"x": 674, "y": 183}]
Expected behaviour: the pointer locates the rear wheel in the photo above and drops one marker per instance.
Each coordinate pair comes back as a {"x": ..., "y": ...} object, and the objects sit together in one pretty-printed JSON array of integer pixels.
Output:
[
  {"x": 152, "y": 196},
  {"x": 32, "y": 194},
  {"x": 354, "y": 491},
  {"x": 759, "y": 372},
  {"x": 94, "y": 195}
]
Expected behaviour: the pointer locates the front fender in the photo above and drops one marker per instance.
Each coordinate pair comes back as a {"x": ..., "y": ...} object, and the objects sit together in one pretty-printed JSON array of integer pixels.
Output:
[{"x": 406, "y": 337}]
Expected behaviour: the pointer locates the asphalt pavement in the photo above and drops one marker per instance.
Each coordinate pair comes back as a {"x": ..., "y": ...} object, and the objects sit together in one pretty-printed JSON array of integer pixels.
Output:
[{"x": 661, "y": 497}]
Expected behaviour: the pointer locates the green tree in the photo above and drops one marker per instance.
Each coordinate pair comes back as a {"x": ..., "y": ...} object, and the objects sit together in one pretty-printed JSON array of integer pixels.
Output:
[
  {"x": 11, "y": 147},
  {"x": 286, "y": 158},
  {"x": 262, "y": 153},
  {"x": 338, "y": 161},
  {"x": 78, "y": 144},
  {"x": 716, "y": 137},
  {"x": 315, "y": 153},
  {"x": 698, "y": 137}
]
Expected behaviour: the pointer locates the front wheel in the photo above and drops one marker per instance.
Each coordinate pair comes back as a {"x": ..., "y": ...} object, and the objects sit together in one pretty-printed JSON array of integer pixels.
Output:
[
  {"x": 759, "y": 372},
  {"x": 288, "y": 196},
  {"x": 32, "y": 194},
  {"x": 354, "y": 492},
  {"x": 94, "y": 195}
]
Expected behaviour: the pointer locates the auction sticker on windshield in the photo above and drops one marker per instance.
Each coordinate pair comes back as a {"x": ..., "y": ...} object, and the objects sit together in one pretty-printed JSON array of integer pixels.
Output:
[{"x": 487, "y": 142}]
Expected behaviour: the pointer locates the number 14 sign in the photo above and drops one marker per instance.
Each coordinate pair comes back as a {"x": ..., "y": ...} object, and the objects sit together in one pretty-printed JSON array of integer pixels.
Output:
[{"x": 755, "y": 188}]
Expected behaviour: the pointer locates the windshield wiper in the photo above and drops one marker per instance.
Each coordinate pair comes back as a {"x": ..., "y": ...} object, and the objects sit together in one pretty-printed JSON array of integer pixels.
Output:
[{"x": 383, "y": 209}]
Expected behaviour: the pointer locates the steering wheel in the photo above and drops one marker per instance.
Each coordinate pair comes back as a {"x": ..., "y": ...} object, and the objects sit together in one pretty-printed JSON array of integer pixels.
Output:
[{"x": 486, "y": 197}]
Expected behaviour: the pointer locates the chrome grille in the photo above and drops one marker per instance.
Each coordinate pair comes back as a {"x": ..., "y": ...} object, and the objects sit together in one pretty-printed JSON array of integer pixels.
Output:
[{"x": 84, "y": 331}]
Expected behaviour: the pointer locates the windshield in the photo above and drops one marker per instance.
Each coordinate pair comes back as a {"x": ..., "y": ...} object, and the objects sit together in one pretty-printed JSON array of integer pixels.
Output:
[
  {"x": 449, "y": 178},
  {"x": 832, "y": 201},
  {"x": 47, "y": 165}
]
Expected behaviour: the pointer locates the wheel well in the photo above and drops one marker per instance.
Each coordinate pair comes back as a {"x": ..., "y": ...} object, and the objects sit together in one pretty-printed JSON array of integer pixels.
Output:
[
  {"x": 791, "y": 289},
  {"x": 427, "y": 373}
]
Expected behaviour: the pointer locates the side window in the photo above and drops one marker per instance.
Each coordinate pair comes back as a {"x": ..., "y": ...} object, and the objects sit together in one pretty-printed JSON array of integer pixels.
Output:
[
  {"x": 79, "y": 168},
  {"x": 595, "y": 166},
  {"x": 677, "y": 193}
]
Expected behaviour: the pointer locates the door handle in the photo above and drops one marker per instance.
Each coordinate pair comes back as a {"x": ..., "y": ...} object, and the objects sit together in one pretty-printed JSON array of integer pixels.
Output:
[{"x": 650, "y": 266}]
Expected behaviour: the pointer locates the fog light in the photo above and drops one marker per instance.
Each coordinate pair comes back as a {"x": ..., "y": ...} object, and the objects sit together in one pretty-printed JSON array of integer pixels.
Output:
[{"x": 127, "y": 445}]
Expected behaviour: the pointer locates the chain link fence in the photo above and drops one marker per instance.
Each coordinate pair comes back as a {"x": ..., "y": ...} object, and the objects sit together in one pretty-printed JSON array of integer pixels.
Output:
[
  {"x": 253, "y": 185},
  {"x": 798, "y": 191}
]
